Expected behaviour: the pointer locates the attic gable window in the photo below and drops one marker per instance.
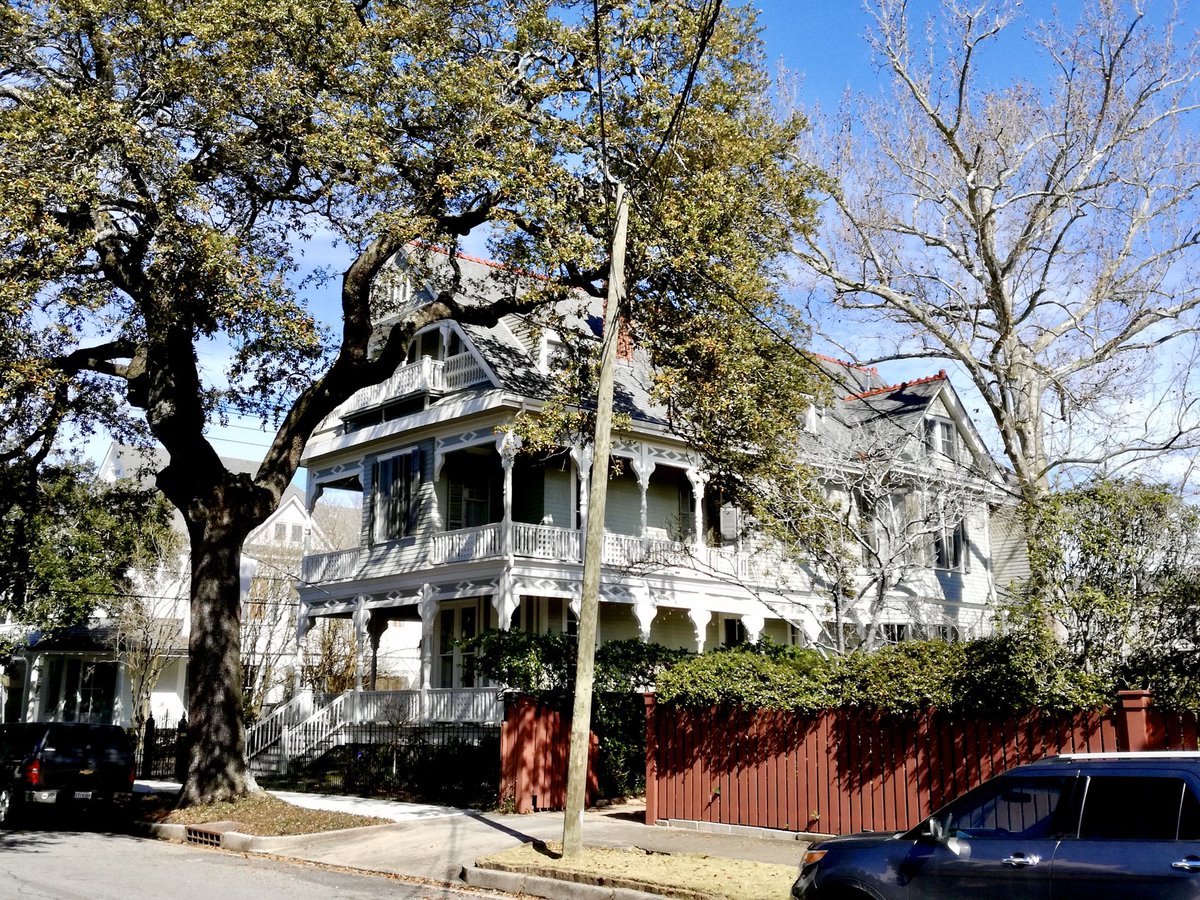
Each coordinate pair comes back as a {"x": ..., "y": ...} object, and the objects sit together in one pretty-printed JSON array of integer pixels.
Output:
[
  {"x": 396, "y": 484},
  {"x": 950, "y": 548},
  {"x": 551, "y": 355},
  {"x": 941, "y": 437}
]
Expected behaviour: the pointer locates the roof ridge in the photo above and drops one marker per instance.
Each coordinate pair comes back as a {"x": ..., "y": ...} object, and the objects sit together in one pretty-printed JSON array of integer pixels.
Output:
[
  {"x": 490, "y": 263},
  {"x": 845, "y": 363},
  {"x": 940, "y": 376}
]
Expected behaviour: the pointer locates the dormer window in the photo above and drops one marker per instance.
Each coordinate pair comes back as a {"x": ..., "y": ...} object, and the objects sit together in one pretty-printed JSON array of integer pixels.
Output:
[
  {"x": 436, "y": 343},
  {"x": 551, "y": 355},
  {"x": 941, "y": 437}
]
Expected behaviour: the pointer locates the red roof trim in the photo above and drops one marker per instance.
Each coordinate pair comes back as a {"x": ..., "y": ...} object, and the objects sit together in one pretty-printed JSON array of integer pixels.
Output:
[
  {"x": 844, "y": 363},
  {"x": 940, "y": 376},
  {"x": 490, "y": 263}
]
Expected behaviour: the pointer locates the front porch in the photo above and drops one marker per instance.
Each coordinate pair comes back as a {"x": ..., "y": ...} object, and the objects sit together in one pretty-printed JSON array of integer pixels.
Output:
[{"x": 312, "y": 724}]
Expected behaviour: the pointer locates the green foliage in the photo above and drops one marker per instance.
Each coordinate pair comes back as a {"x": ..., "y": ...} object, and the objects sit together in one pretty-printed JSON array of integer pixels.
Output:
[
  {"x": 1117, "y": 564},
  {"x": 902, "y": 677},
  {"x": 745, "y": 676},
  {"x": 543, "y": 666},
  {"x": 1010, "y": 672},
  {"x": 68, "y": 541}
]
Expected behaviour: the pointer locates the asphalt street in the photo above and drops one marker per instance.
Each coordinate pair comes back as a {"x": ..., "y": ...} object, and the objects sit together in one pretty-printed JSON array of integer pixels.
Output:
[{"x": 73, "y": 865}]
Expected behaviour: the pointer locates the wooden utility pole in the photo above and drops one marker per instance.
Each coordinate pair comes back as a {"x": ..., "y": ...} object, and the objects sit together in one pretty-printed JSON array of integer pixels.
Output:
[{"x": 593, "y": 550}]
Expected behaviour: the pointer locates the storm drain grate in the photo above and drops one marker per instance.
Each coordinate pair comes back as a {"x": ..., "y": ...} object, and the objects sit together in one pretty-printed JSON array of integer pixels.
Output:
[
  {"x": 208, "y": 835},
  {"x": 203, "y": 837}
]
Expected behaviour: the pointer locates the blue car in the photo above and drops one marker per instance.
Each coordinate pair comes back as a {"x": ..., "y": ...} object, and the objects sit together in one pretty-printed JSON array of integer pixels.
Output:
[{"x": 1116, "y": 826}]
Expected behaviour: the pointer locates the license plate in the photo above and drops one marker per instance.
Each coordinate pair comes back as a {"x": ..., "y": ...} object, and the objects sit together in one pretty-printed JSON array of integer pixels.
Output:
[{"x": 83, "y": 795}]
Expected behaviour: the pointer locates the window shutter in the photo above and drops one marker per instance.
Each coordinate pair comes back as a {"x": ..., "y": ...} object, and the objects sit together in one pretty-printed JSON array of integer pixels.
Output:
[
  {"x": 412, "y": 504},
  {"x": 454, "y": 503}
]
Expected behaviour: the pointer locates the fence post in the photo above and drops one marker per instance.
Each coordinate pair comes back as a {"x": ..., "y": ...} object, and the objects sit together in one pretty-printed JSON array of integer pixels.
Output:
[
  {"x": 182, "y": 751},
  {"x": 149, "y": 747},
  {"x": 1133, "y": 726},
  {"x": 651, "y": 761}
]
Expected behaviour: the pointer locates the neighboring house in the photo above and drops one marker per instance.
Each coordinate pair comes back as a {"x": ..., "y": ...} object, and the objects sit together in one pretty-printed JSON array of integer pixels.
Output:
[
  {"x": 461, "y": 532},
  {"x": 93, "y": 672}
]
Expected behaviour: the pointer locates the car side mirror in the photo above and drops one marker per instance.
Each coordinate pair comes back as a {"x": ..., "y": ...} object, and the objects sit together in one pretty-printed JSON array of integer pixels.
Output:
[{"x": 934, "y": 832}]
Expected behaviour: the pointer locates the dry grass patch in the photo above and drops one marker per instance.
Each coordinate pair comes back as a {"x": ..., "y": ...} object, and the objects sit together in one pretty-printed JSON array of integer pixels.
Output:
[
  {"x": 260, "y": 814},
  {"x": 674, "y": 874}
]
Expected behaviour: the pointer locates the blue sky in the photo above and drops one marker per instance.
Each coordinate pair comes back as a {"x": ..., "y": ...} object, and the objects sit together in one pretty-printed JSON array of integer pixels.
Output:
[{"x": 822, "y": 42}]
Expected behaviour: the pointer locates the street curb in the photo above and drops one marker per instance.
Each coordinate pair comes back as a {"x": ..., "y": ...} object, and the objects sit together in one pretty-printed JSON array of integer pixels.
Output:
[
  {"x": 236, "y": 840},
  {"x": 549, "y": 888},
  {"x": 750, "y": 831}
]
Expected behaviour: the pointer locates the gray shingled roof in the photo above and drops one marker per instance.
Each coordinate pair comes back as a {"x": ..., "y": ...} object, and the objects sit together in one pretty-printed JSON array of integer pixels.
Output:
[{"x": 861, "y": 398}]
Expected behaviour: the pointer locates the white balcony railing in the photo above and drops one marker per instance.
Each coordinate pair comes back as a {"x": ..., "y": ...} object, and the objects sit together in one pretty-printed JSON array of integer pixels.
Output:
[
  {"x": 456, "y": 373},
  {"x": 465, "y": 544},
  {"x": 547, "y": 542}
]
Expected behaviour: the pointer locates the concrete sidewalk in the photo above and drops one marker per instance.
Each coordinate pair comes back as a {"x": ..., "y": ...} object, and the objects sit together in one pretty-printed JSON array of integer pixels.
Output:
[{"x": 438, "y": 843}]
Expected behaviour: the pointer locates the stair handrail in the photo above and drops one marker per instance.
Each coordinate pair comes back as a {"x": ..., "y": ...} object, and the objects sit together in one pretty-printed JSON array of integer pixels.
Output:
[
  {"x": 303, "y": 737},
  {"x": 266, "y": 731}
]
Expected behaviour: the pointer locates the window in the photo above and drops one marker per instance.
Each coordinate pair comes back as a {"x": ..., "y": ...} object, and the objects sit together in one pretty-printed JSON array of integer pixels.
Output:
[
  {"x": 394, "y": 507},
  {"x": 1119, "y": 808},
  {"x": 1009, "y": 808},
  {"x": 941, "y": 437},
  {"x": 894, "y": 632},
  {"x": 280, "y": 532},
  {"x": 733, "y": 632},
  {"x": 297, "y": 534},
  {"x": 457, "y": 624},
  {"x": 950, "y": 548},
  {"x": 470, "y": 499}
]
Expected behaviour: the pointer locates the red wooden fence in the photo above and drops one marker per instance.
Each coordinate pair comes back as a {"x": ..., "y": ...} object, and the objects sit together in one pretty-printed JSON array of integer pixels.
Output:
[
  {"x": 534, "y": 749},
  {"x": 842, "y": 771}
]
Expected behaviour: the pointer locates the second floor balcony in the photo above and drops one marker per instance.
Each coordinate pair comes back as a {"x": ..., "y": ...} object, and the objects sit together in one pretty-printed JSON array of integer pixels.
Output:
[{"x": 521, "y": 541}]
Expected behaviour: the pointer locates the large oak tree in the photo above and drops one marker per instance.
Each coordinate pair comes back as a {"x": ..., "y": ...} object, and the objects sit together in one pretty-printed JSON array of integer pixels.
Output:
[{"x": 162, "y": 160}]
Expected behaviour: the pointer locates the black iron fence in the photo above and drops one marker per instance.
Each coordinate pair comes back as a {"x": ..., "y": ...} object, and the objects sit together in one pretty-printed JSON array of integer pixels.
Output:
[
  {"x": 448, "y": 763},
  {"x": 162, "y": 754}
]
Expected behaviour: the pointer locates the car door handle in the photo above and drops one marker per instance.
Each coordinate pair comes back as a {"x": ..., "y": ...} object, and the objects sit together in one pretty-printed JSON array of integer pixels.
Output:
[
  {"x": 1188, "y": 864},
  {"x": 1021, "y": 861}
]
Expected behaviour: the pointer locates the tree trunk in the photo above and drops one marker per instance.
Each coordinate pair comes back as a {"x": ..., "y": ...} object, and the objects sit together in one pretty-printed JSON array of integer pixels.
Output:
[{"x": 216, "y": 735}]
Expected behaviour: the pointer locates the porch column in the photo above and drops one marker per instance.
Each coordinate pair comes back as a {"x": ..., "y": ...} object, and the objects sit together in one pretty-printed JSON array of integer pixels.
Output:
[
  {"x": 361, "y": 617},
  {"x": 644, "y": 610},
  {"x": 754, "y": 624},
  {"x": 304, "y": 624},
  {"x": 427, "y": 606},
  {"x": 698, "y": 480},
  {"x": 375, "y": 629},
  {"x": 505, "y": 600},
  {"x": 507, "y": 444},
  {"x": 583, "y": 464},
  {"x": 643, "y": 468},
  {"x": 700, "y": 619},
  {"x": 123, "y": 701},
  {"x": 33, "y": 688}
]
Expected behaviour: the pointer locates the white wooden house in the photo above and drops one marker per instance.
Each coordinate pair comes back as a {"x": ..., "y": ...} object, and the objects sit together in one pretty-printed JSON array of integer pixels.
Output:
[{"x": 461, "y": 532}]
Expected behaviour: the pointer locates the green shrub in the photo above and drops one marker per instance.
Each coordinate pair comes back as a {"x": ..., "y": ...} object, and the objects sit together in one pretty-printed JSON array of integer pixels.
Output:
[
  {"x": 1009, "y": 672},
  {"x": 897, "y": 678},
  {"x": 745, "y": 676},
  {"x": 543, "y": 666}
]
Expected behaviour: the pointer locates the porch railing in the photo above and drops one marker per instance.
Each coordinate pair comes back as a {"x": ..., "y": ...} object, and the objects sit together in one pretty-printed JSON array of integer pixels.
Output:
[
  {"x": 266, "y": 731},
  {"x": 465, "y": 544},
  {"x": 548, "y": 542},
  {"x": 481, "y": 705},
  {"x": 326, "y": 726}
]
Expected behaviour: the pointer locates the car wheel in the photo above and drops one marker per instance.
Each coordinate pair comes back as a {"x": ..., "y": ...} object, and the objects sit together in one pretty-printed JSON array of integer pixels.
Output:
[{"x": 7, "y": 811}]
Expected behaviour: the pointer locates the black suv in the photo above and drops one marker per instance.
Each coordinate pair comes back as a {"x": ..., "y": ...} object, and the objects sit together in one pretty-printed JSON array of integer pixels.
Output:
[
  {"x": 1117, "y": 826},
  {"x": 60, "y": 765}
]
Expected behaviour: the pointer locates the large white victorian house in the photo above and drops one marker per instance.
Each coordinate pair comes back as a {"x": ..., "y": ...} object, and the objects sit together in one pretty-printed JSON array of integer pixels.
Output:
[{"x": 461, "y": 531}]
